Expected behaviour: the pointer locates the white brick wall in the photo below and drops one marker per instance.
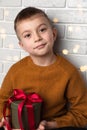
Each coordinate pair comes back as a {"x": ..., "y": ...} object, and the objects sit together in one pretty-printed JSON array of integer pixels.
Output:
[{"x": 70, "y": 18}]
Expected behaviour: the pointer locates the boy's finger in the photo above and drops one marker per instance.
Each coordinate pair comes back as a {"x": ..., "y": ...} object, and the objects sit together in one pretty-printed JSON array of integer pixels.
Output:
[
  {"x": 42, "y": 125},
  {"x": 5, "y": 128},
  {"x": 1, "y": 124}
]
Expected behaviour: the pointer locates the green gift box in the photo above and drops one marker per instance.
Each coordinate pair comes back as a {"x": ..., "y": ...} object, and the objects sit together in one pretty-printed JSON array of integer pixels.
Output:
[
  {"x": 25, "y": 110},
  {"x": 24, "y": 115}
]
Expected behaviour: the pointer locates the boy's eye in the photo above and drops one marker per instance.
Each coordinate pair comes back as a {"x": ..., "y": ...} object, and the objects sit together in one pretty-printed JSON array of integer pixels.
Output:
[
  {"x": 43, "y": 29},
  {"x": 27, "y": 35}
]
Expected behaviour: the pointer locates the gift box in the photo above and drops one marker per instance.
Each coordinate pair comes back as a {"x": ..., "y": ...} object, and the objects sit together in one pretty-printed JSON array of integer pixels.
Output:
[
  {"x": 25, "y": 110},
  {"x": 24, "y": 115}
]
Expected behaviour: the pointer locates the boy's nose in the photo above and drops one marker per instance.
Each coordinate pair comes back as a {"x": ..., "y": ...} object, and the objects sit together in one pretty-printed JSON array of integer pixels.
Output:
[{"x": 37, "y": 37}]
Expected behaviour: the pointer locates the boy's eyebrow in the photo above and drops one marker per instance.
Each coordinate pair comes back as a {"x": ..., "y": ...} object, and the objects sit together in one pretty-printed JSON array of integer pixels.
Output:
[
  {"x": 42, "y": 24},
  {"x": 38, "y": 26},
  {"x": 26, "y": 31}
]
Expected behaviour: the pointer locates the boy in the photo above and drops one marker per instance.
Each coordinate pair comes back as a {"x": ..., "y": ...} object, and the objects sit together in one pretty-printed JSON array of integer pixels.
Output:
[{"x": 51, "y": 76}]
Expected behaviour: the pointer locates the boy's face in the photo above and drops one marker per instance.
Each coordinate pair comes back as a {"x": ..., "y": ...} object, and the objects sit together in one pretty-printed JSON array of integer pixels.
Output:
[{"x": 36, "y": 35}]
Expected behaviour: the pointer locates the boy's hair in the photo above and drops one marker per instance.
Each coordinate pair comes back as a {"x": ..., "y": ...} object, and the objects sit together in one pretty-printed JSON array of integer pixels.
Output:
[{"x": 27, "y": 13}]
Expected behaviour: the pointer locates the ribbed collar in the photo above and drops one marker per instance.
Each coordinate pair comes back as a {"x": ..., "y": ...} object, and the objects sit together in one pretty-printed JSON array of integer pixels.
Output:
[{"x": 51, "y": 66}]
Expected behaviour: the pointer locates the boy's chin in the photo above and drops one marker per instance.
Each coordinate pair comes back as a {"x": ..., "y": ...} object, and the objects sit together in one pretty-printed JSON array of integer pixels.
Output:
[{"x": 40, "y": 54}]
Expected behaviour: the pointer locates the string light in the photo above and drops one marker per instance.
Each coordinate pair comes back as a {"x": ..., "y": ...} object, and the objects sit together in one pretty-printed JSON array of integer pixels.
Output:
[
  {"x": 11, "y": 46},
  {"x": 15, "y": 58},
  {"x": 65, "y": 51},
  {"x": 2, "y": 30},
  {"x": 83, "y": 68},
  {"x": 6, "y": 13},
  {"x": 3, "y": 36},
  {"x": 55, "y": 20},
  {"x": 70, "y": 28},
  {"x": 3, "y": 33},
  {"x": 76, "y": 48}
]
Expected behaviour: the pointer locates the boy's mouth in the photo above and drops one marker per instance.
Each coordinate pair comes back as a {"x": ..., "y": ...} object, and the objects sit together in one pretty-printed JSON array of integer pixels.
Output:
[{"x": 40, "y": 46}]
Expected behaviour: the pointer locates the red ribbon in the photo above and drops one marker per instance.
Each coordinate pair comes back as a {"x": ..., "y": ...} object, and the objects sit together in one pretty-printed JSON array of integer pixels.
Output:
[{"x": 27, "y": 100}]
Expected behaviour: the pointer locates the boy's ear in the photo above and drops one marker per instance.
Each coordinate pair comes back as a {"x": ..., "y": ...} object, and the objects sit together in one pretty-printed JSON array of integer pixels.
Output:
[
  {"x": 55, "y": 33},
  {"x": 20, "y": 44}
]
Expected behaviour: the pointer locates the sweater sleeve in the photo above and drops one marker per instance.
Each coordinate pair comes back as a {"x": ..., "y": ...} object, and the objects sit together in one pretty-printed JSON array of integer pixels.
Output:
[
  {"x": 76, "y": 95},
  {"x": 5, "y": 91}
]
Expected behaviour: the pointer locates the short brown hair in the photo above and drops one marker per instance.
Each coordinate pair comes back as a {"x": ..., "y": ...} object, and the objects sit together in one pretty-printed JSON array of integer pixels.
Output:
[{"x": 27, "y": 13}]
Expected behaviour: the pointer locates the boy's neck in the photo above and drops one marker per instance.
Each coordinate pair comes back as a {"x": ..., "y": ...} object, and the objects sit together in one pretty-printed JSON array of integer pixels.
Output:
[{"x": 44, "y": 60}]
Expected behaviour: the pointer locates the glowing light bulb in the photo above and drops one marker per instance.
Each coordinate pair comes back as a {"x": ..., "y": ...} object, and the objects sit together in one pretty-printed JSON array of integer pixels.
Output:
[
  {"x": 55, "y": 20},
  {"x": 3, "y": 36},
  {"x": 70, "y": 28},
  {"x": 11, "y": 46},
  {"x": 76, "y": 48},
  {"x": 15, "y": 58},
  {"x": 83, "y": 68},
  {"x": 6, "y": 13},
  {"x": 2, "y": 30},
  {"x": 65, "y": 51}
]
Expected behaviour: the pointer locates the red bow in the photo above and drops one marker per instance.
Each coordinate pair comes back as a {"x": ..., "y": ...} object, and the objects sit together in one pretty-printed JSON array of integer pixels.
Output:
[{"x": 27, "y": 100}]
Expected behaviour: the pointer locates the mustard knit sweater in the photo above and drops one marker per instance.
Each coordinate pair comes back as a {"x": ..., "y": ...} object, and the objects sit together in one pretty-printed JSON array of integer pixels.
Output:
[{"x": 58, "y": 84}]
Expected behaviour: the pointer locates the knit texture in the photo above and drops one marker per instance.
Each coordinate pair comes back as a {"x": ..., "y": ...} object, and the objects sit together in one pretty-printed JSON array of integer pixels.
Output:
[{"x": 57, "y": 84}]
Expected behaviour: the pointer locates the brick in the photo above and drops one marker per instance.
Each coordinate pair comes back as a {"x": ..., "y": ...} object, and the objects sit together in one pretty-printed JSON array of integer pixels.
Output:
[
  {"x": 44, "y": 3},
  {"x": 12, "y": 3},
  {"x": 0, "y": 42},
  {"x": 7, "y": 66},
  {"x": 68, "y": 16},
  {"x": 1, "y": 67},
  {"x": 10, "y": 13},
  {"x": 77, "y": 60},
  {"x": 76, "y": 32},
  {"x": 23, "y": 54},
  {"x": 6, "y": 28},
  {"x": 73, "y": 47},
  {"x": 77, "y": 3},
  {"x": 11, "y": 42},
  {"x": 1, "y": 78},
  {"x": 1, "y": 14},
  {"x": 9, "y": 55}
]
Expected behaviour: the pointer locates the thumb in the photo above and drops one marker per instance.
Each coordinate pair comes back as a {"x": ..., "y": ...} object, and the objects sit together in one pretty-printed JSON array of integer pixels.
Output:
[{"x": 42, "y": 125}]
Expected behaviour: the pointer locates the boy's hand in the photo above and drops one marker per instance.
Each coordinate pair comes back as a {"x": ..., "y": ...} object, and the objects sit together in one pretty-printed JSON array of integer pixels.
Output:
[
  {"x": 2, "y": 122},
  {"x": 47, "y": 125},
  {"x": 42, "y": 125}
]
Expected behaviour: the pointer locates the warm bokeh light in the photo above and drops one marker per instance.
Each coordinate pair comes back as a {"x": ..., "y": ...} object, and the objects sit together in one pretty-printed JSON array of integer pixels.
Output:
[
  {"x": 6, "y": 12},
  {"x": 15, "y": 58},
  {"x": 55, "y": 20},
  {"x": 70, "y": 28},
  {"x": 65, "y": 51},
  {"x": 3, "y": 36},
  {"x": 83, "y": 68},
  {"x": 76, "y": 48},
  {"x": 11, "y": 46},
  {"x": 2, "y": 30}
]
